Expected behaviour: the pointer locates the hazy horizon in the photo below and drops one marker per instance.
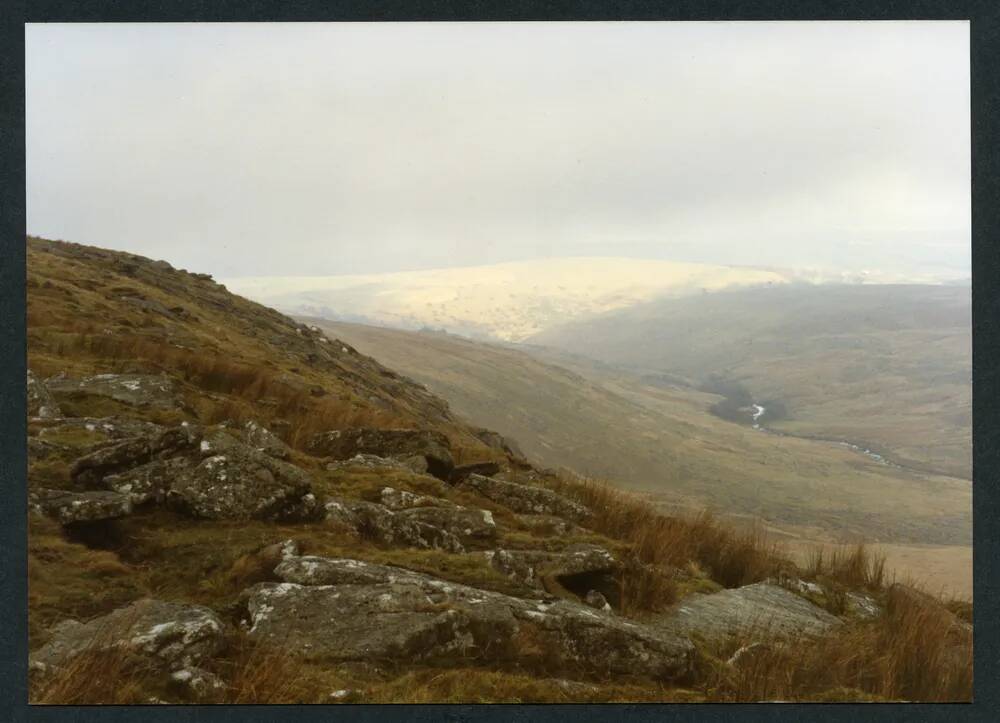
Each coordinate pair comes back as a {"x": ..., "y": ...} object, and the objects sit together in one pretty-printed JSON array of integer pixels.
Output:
[{"x": 345, "y": 149}]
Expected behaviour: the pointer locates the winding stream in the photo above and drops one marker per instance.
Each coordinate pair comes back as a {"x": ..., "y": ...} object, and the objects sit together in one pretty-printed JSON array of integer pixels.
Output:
[{"x": 757, "y": 411}]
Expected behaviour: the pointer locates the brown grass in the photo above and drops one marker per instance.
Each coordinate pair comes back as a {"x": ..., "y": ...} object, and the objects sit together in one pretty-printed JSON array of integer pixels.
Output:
[
  {"x": 732, "y": 557},
  {"x": 857, "y": 568},
  {"x": 104, "y": 673},
  {"x": 644, "y": 588},
  {"x": 98, "y": 677},
  {"x": 236, "y": 390},
  {"x": 911, "y": 654},
  {"x": 261, "y": 674}
]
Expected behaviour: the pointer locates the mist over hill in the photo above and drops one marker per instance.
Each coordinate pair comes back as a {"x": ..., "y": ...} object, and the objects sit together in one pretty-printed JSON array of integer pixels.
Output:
[
  {"x": 509, "y": 301},
  {"x": 884, "y": 366},
  {"x": 661, "y": 438}
]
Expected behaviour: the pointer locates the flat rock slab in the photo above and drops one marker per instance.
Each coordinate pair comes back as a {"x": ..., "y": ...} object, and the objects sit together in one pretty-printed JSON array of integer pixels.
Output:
[
  {"x": 525, "y": 498},
  {"x": 415, "y": 463},
  {"x": 380, "y": 524},
  {"x": 135, "y": 390},
  {"x": 350, "y": 622},
  {"x": 174, "y": 635},
  {"x": 92, "y": 468},
  {"x": 148, "y": 482},
  {"x": 468, "y": 525},
  {"x": 760, "y": 609},
  {"x": 264, "y": 440},
  {"x": 531, "y": 566},
  {"x": 209, "y": 473},
  {"x": 343, "y": 444},
  {"x": 243, "y": 483},
  {"x": 342, "y": 609},
  {"x": 72, "y": 507}
]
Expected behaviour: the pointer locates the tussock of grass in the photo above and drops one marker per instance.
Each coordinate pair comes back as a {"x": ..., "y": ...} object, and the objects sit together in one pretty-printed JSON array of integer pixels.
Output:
[
  {"x": 731, "y": 557},
  {"x": 99, "y": 677},
  {"x": 911, "y": 654},
  {"x": 644, "y": 588},
  {"x": 857, "y": 568}
]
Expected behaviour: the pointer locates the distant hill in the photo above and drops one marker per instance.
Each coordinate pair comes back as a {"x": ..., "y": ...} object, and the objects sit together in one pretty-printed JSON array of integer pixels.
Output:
[
  {"x": 885, "y": 366},
  {"x": 654, "y": 437},
  {"x": 508, "y": 301}
]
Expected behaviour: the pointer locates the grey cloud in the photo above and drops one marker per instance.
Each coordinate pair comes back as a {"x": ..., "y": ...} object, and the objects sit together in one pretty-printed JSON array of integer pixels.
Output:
[{"x": 317, "y": 149}]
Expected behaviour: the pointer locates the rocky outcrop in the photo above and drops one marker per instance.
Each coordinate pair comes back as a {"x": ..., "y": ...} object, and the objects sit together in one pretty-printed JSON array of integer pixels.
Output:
[
  {"x": 264, "y": 440},
  {"x": 532, "y": 567},
  {"x": 73, "y": 507},
  {"x": 171, "y": 635},
  {"x": 134, "y": 390},
  {"x": 762, "y": 609},
  {"x": 500, "y": 443},
  {"x": 415, "y": 464},
  {"x": 345, "y": 610},
  {"x": 381, "y": 525},
  {"x": 432, "y": 446},
  {"x": 468, "y": 525},
  {"x": 315, "y": 570},
  {"x": 486, "y": 469},
  {"x": 205, "y": 473},
  {"x": 148, "y": 482},
  {"x": 41, "y": 403},
  {"x": 526, "y": 499},
  {"x": 346, "y": 623},
  {"x": 243, "y": 483},
  {"x": 134, "y": 451}
]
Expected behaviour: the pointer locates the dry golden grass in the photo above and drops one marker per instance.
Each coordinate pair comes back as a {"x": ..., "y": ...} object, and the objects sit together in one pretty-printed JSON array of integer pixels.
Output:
[
  {"x": 857, "y": 568},
  {"x": 644, "y": 588},
  {"x": 732, "y": 557},
  {"x": 104, "y": 677},
  {"x": 104, "y": 673},
  {"x": 231, "y": 390},
  {"x": 913, "y": 653}
]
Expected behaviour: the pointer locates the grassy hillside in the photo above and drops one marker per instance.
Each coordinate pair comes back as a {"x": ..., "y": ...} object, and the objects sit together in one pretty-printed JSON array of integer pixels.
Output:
[
  {"x": 94, "y": 311},
  {"x": 180, "y": 491},
  {"x": 662, "y": 439},
  {"x": 886, "y": 367}
]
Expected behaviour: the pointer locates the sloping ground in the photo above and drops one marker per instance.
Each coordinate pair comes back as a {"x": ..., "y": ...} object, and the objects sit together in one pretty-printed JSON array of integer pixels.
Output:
[
  {"x": 223, "y": 502},
  {"x": 93, "y": 311},
  {"x": 886, "y": 367},
  {"x": 663, "y": 440}
]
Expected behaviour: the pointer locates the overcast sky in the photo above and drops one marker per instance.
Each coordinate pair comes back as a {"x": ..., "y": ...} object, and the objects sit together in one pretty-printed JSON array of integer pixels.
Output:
[{"x": 347, "y": 148}]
